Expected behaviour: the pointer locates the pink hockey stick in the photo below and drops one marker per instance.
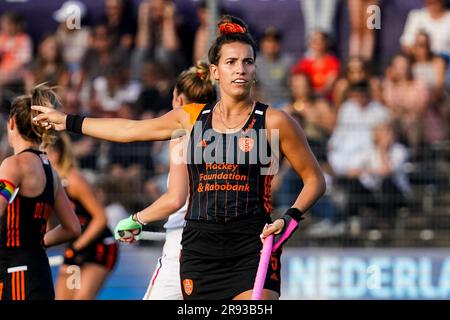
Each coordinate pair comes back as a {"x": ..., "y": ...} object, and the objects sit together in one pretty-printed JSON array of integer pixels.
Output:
[{"x": 262, "y": 268}]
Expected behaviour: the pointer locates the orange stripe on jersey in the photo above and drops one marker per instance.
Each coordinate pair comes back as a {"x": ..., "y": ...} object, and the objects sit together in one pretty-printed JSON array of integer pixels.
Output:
[
  {"x": 1, "y": 290},
  {"x": 18, "y": 292},
  {"x": 13, "y": 224},
  {"x": 267, "y": 197},
  {"x": 13, "y": 286},
  {"x": 22, "y": 280},
  {"x": 194, "y": 110},
  {"x": 8, "y": 225},
  {"x": 17, "y": 222}
]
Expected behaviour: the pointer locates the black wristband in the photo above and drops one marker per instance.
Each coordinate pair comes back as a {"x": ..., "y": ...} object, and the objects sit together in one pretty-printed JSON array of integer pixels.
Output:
[
  {"x": 295, "y": 214},
  {"x": 74, "y": 123}
]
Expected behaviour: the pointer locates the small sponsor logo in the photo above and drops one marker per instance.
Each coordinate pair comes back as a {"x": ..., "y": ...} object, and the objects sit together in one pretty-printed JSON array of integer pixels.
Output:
[
  {"x": 246, "y": 144},
  {"x": 188, "y": 286}
]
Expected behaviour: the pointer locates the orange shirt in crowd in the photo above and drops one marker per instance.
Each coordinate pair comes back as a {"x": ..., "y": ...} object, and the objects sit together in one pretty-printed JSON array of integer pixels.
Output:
[
  {"x": 15, "y": 52},
  {"x": 318, "y": 70}
]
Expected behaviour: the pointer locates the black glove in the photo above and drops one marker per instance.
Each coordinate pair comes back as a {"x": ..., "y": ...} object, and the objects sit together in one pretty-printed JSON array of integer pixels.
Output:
[
  {"x": 292, "y": 218},
  {"x": 73, "y": 256}
]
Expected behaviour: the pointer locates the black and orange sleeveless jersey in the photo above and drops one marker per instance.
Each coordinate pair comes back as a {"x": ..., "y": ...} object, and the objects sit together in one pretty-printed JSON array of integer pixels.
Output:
[
  {"x": 102, "y": 250},
  {"x": 25, "y": 222},
  {"x": 84, "y": 217},
  {"x": 229, "y": 174}
]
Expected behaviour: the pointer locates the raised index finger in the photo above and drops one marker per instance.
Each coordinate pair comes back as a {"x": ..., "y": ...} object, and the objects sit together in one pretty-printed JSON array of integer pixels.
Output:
[
  {"x": 42, "y": 109},
  {"x": 40, "y": 117}
]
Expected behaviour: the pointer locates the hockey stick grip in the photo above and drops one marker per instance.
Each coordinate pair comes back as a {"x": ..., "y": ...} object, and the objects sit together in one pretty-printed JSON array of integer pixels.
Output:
[{"x": 262, "y": 268}]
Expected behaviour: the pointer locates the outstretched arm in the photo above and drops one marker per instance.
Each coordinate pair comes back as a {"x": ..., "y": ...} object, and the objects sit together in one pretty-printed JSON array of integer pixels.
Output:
[{"x": 117, "y": 130}]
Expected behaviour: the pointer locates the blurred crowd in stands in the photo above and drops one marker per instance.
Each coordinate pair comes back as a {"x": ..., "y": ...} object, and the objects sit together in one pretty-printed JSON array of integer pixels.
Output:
[{"x": 365, "y": 125}]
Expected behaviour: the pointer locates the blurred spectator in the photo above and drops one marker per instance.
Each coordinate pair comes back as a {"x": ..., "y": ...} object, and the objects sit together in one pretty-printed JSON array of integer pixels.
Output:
[
  {"x": 407, "y": 99},
  {"x": 434, "y": 19},
  {"x": 319, "y": 14},
  {"x": 202, "y": 36},
  {"x": 431, "y": 69},
  {"x": 87, "y": 151},
  {"x": 113, "y": 193},
  {"x": 356, "y": 70},
  {"x": 314, "y": 114},
  {"x": 73, "y": 41},
  {"x": 320, "y": 65},
  {"x": 377, "y": 178},
  {"x": 113, "y": 90},
  {"x": 101, "y": 55},
  {"x": 48, "y": 66},
  {"x": 157, "y": 38},
  {"x": 286, "y": 184},
  {"x": 130, "y": 160},
  {"x": 154, "y": 96},
  {"x": 120, "y": 19},
  {"x": 362, "y": 38},
  {"x": 428, "y": 66},
  {"x": 353, "y": 131},
  {"x": 15, "y": 54},
  {"x": 317, "y": 120},
  {"x": 273, "y": 69}
]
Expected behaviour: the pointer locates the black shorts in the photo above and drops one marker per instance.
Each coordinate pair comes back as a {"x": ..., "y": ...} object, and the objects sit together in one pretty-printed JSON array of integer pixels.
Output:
[
  {"x": 220, "y": 261},
  {"x": 25, "y": 275},
  {"x": 103, "y": 252}
]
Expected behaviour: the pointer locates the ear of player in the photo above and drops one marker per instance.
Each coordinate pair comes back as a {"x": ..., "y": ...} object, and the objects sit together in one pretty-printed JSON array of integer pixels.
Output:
[
  {"x": 126, "y": 228},
  {"x": 292, "y": 218}
]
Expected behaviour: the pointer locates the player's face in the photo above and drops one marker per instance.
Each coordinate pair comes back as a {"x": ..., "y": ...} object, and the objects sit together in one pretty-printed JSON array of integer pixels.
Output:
[{"x": 236, "y": 69}]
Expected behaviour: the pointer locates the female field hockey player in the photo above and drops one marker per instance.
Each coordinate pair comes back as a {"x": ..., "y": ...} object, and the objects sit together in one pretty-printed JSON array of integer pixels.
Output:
[
  {"x": 229, "y": 181},
  {"x": 30, "y": 193},
  {"x": 95, "y": 250},
  {"x": 193, "y": 85}
]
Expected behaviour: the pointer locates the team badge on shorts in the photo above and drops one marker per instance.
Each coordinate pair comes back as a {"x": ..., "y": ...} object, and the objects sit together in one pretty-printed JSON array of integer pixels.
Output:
[
  {"x": 246, "y": 144},
  {"x": 188, "y": 286}
]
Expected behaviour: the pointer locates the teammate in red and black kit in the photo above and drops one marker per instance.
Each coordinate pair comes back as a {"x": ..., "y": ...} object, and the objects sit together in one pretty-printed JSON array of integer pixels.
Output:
[
  {"x": 95, "y": 251},
  {"x": 30, "y": 192},
  {"x": 227, "y": 211}
]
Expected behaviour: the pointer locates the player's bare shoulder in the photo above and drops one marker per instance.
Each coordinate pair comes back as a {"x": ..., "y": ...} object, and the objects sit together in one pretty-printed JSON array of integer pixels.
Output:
[
  {"x": 11, "y": 164},
  {"x": 277, "y": 118}
]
